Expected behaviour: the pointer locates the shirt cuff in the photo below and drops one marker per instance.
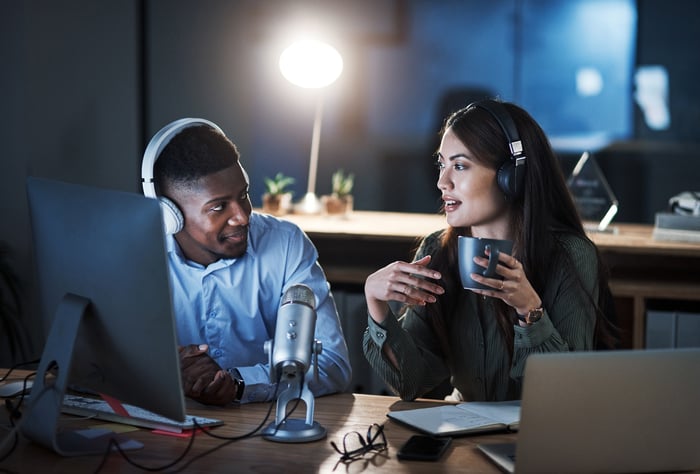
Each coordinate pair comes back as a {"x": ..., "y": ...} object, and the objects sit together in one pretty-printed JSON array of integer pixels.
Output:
[
  {"x": 380, "y": 333},
  {"x": 535, "y": 334}
]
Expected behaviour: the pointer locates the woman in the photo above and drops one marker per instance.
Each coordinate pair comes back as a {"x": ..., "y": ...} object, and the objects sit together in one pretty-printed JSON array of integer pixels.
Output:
[{"x": 552, "y": 288}]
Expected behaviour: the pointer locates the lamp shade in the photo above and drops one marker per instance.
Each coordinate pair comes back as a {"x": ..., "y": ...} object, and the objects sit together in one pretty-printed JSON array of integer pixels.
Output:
[{"x": 311, "y": 64}]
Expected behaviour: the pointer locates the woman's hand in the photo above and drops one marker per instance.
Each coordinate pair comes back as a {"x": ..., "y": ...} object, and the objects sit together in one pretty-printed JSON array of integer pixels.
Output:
[
  {"x": 399, "y": 281},
  {"x": 515, "y": 289}
]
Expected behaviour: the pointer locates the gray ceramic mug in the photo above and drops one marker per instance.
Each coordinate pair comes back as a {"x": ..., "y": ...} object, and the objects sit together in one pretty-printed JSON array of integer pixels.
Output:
[{"x": 470, "y": 247}]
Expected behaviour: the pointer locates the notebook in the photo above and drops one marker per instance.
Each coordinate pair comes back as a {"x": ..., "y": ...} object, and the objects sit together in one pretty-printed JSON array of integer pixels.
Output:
[
  {"x": 607, "y": 412},
  {"x": 462, "y": 418}
]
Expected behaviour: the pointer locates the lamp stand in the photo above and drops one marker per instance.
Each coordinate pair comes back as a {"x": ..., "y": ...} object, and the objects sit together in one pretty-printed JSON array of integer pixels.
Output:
[{"x": 311, "y": 204}]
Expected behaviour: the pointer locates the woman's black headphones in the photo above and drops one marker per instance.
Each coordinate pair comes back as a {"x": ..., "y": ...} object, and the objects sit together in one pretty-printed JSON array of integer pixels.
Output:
[{"x": 511, "y": 173}]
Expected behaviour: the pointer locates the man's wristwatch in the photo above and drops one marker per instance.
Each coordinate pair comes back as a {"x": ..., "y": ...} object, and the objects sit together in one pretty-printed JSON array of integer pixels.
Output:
[
  {"x": 240, "y": 384},
  {"x": 532, "y": 316}
]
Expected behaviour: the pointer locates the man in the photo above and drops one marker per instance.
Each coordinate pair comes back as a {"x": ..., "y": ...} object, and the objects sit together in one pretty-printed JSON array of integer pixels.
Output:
[{"x": 229, "y": 269}]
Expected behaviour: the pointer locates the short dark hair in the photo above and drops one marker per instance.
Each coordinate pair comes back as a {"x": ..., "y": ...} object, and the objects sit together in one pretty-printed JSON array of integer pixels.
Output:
[{"x": 193, "y": 153}]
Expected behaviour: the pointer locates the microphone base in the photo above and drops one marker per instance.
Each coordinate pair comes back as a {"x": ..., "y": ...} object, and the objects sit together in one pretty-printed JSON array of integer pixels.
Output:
[{"x": 294, "y": 431}]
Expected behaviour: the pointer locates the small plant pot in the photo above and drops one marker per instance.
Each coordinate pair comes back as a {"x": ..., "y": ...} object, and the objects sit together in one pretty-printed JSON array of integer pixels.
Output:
[
  {"x": 277, "y": 204},
  {"x": 335, "y": 205}
]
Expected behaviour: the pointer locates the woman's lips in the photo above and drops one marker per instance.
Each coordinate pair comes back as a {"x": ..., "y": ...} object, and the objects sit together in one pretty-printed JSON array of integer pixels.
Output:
[{"x": 450, "y": 204}]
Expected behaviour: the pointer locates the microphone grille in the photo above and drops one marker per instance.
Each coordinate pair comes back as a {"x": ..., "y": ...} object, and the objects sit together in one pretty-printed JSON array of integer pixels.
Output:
[{"x": 299, "y": 294}]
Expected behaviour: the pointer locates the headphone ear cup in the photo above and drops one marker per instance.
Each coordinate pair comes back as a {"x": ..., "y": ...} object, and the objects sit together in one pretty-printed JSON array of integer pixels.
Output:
[
  {"x": 510, "y": 180},
  {"x": 173, "y": 220},
  {"x": 505, "y": 179}
]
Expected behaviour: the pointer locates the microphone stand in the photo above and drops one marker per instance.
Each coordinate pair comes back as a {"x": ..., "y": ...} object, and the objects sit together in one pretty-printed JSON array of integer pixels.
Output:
[{"x": 292, "y": 430}]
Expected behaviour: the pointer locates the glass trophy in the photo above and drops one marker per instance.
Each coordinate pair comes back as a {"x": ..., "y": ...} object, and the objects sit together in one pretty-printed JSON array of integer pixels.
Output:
[{"x": 596, "y": 203}]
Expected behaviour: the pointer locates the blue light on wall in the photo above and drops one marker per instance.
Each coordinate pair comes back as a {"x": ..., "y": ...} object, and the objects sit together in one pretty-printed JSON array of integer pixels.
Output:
[{"x": 577, "y": 68}]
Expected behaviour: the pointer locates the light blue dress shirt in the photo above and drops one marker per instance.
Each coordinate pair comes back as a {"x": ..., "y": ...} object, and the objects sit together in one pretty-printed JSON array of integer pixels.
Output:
[{"x": 232, "y": 305}]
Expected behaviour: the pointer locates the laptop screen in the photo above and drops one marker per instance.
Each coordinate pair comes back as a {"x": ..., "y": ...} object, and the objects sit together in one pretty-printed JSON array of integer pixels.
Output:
[{"x": 609, "y": 412}]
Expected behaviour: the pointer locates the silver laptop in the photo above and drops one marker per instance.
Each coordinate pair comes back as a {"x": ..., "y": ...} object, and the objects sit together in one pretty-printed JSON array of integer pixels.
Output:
[{"x": 607, "y": 412}]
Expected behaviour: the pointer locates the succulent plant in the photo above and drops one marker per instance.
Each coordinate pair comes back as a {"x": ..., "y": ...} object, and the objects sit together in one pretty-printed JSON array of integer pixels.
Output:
[
  {"x": 278, "y": 185},
  {"x": 342, "y": 183}
]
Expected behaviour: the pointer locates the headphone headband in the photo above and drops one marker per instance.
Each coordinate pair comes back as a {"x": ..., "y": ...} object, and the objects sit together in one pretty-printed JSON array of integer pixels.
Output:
[
  {"x": 505, "y": 121},
  {"x": 173, "y": 219},
  {"x": 159, "y": 141},
  {"x": 511, "y": 173}
]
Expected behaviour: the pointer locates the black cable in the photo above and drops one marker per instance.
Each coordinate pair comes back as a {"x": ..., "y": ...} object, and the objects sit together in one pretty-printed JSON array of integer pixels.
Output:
[
  {"x": 113, "y": 443},
  {"x": 14, "y": 410},
  {"x": 12, "y": 448},
  {"x": 229, "y": 440},
  {"x": 16, "y": 414},
  {"x": 251, "y": 433},
  {"x": 16, "y": 366}
]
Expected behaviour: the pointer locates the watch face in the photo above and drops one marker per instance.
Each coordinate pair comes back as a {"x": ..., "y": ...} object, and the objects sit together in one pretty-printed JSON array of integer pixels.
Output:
[{"x": 534, "y": 315}]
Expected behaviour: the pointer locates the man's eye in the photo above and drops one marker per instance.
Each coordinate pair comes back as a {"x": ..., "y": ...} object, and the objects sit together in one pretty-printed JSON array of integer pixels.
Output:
[
  {"x": 439, "y": 165},
  {"x": 244, "y": 196},
  {"x": 218, "y": 208}
]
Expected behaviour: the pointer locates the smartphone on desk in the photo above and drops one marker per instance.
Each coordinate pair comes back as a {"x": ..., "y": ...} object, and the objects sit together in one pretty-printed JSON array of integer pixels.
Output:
[{"x": 423, "y": 448}]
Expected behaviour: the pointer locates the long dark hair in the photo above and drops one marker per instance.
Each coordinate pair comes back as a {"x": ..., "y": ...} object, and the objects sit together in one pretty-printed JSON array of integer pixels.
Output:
[{"x": 543, "y": 210}]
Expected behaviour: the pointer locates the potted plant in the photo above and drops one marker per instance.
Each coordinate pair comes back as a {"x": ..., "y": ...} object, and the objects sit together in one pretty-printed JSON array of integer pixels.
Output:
[
  {"x": 277, "y": 200},
  {"x": 340, "y": 201}
]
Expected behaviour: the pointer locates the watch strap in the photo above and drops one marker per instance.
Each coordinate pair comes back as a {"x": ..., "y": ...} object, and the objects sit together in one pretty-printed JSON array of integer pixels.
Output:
[
  {"x": 532, "y": 316},
  {"x": 240, "y": 383}
]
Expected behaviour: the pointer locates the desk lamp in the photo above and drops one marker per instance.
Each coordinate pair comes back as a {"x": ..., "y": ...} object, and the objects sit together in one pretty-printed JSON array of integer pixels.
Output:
[{"x": 312, "y": 65}]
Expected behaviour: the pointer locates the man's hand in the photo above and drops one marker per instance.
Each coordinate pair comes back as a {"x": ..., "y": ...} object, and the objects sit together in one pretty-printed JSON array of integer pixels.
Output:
[{"x": 202, "y": 378}]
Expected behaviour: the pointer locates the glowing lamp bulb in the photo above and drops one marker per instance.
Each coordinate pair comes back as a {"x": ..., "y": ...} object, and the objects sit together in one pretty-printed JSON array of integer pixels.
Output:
[{"x": 311, "y": 64}]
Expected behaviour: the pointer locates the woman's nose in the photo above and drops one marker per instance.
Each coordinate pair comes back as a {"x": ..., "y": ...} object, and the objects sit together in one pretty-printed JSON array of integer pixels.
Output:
[{"x": 444, "y": 181}]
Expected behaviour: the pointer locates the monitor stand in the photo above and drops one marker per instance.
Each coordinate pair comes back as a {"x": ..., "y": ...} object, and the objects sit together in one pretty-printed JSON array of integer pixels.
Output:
[{"x": 40, "y": 421}]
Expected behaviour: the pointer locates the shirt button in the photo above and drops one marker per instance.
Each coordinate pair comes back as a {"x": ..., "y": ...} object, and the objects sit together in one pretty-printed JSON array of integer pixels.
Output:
[
  {"x": 380, "y": 335},
  {"x": 217, "y": 353}
]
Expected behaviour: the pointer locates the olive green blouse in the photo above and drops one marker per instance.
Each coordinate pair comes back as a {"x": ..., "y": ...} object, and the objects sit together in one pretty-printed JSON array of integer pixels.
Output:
[{"x": 478, "y": 363}]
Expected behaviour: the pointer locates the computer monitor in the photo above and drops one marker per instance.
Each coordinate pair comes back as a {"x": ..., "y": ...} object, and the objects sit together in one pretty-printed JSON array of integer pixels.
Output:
[{"x": 105, "y": 295}]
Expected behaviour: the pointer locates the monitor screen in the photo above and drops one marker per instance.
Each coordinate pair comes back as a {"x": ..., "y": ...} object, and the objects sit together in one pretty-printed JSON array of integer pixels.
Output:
[{"x": 105, "y": 301}]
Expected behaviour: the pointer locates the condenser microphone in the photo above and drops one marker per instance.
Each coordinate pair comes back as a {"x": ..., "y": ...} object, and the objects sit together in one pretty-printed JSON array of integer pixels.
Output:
[
  {"x": 290, "y": 355},
  {"x": 294, "y": 333}
]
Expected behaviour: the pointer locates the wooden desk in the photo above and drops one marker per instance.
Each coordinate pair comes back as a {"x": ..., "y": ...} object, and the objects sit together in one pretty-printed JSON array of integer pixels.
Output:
[
  {"x": 339, "y": 414},
  {"x": 641, "y": 268}
]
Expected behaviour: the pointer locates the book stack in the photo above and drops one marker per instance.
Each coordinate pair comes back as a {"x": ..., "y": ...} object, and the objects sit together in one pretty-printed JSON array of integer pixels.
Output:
[{"x": 676, "y": 227}]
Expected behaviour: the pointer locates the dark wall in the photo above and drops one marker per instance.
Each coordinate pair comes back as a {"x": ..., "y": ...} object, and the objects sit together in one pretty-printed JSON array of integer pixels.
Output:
[
  {"x": 668, "y": 32},
  {"x": 401, "y": 59},
  {"x": 70, "y": 110},
  {"x": 653, "y": 165},
  {"x": 658, "y": 164}
]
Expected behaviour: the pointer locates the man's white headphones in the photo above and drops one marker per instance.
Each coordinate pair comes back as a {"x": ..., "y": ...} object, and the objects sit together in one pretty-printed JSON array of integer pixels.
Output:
[{"x": 173, "y": 220}]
